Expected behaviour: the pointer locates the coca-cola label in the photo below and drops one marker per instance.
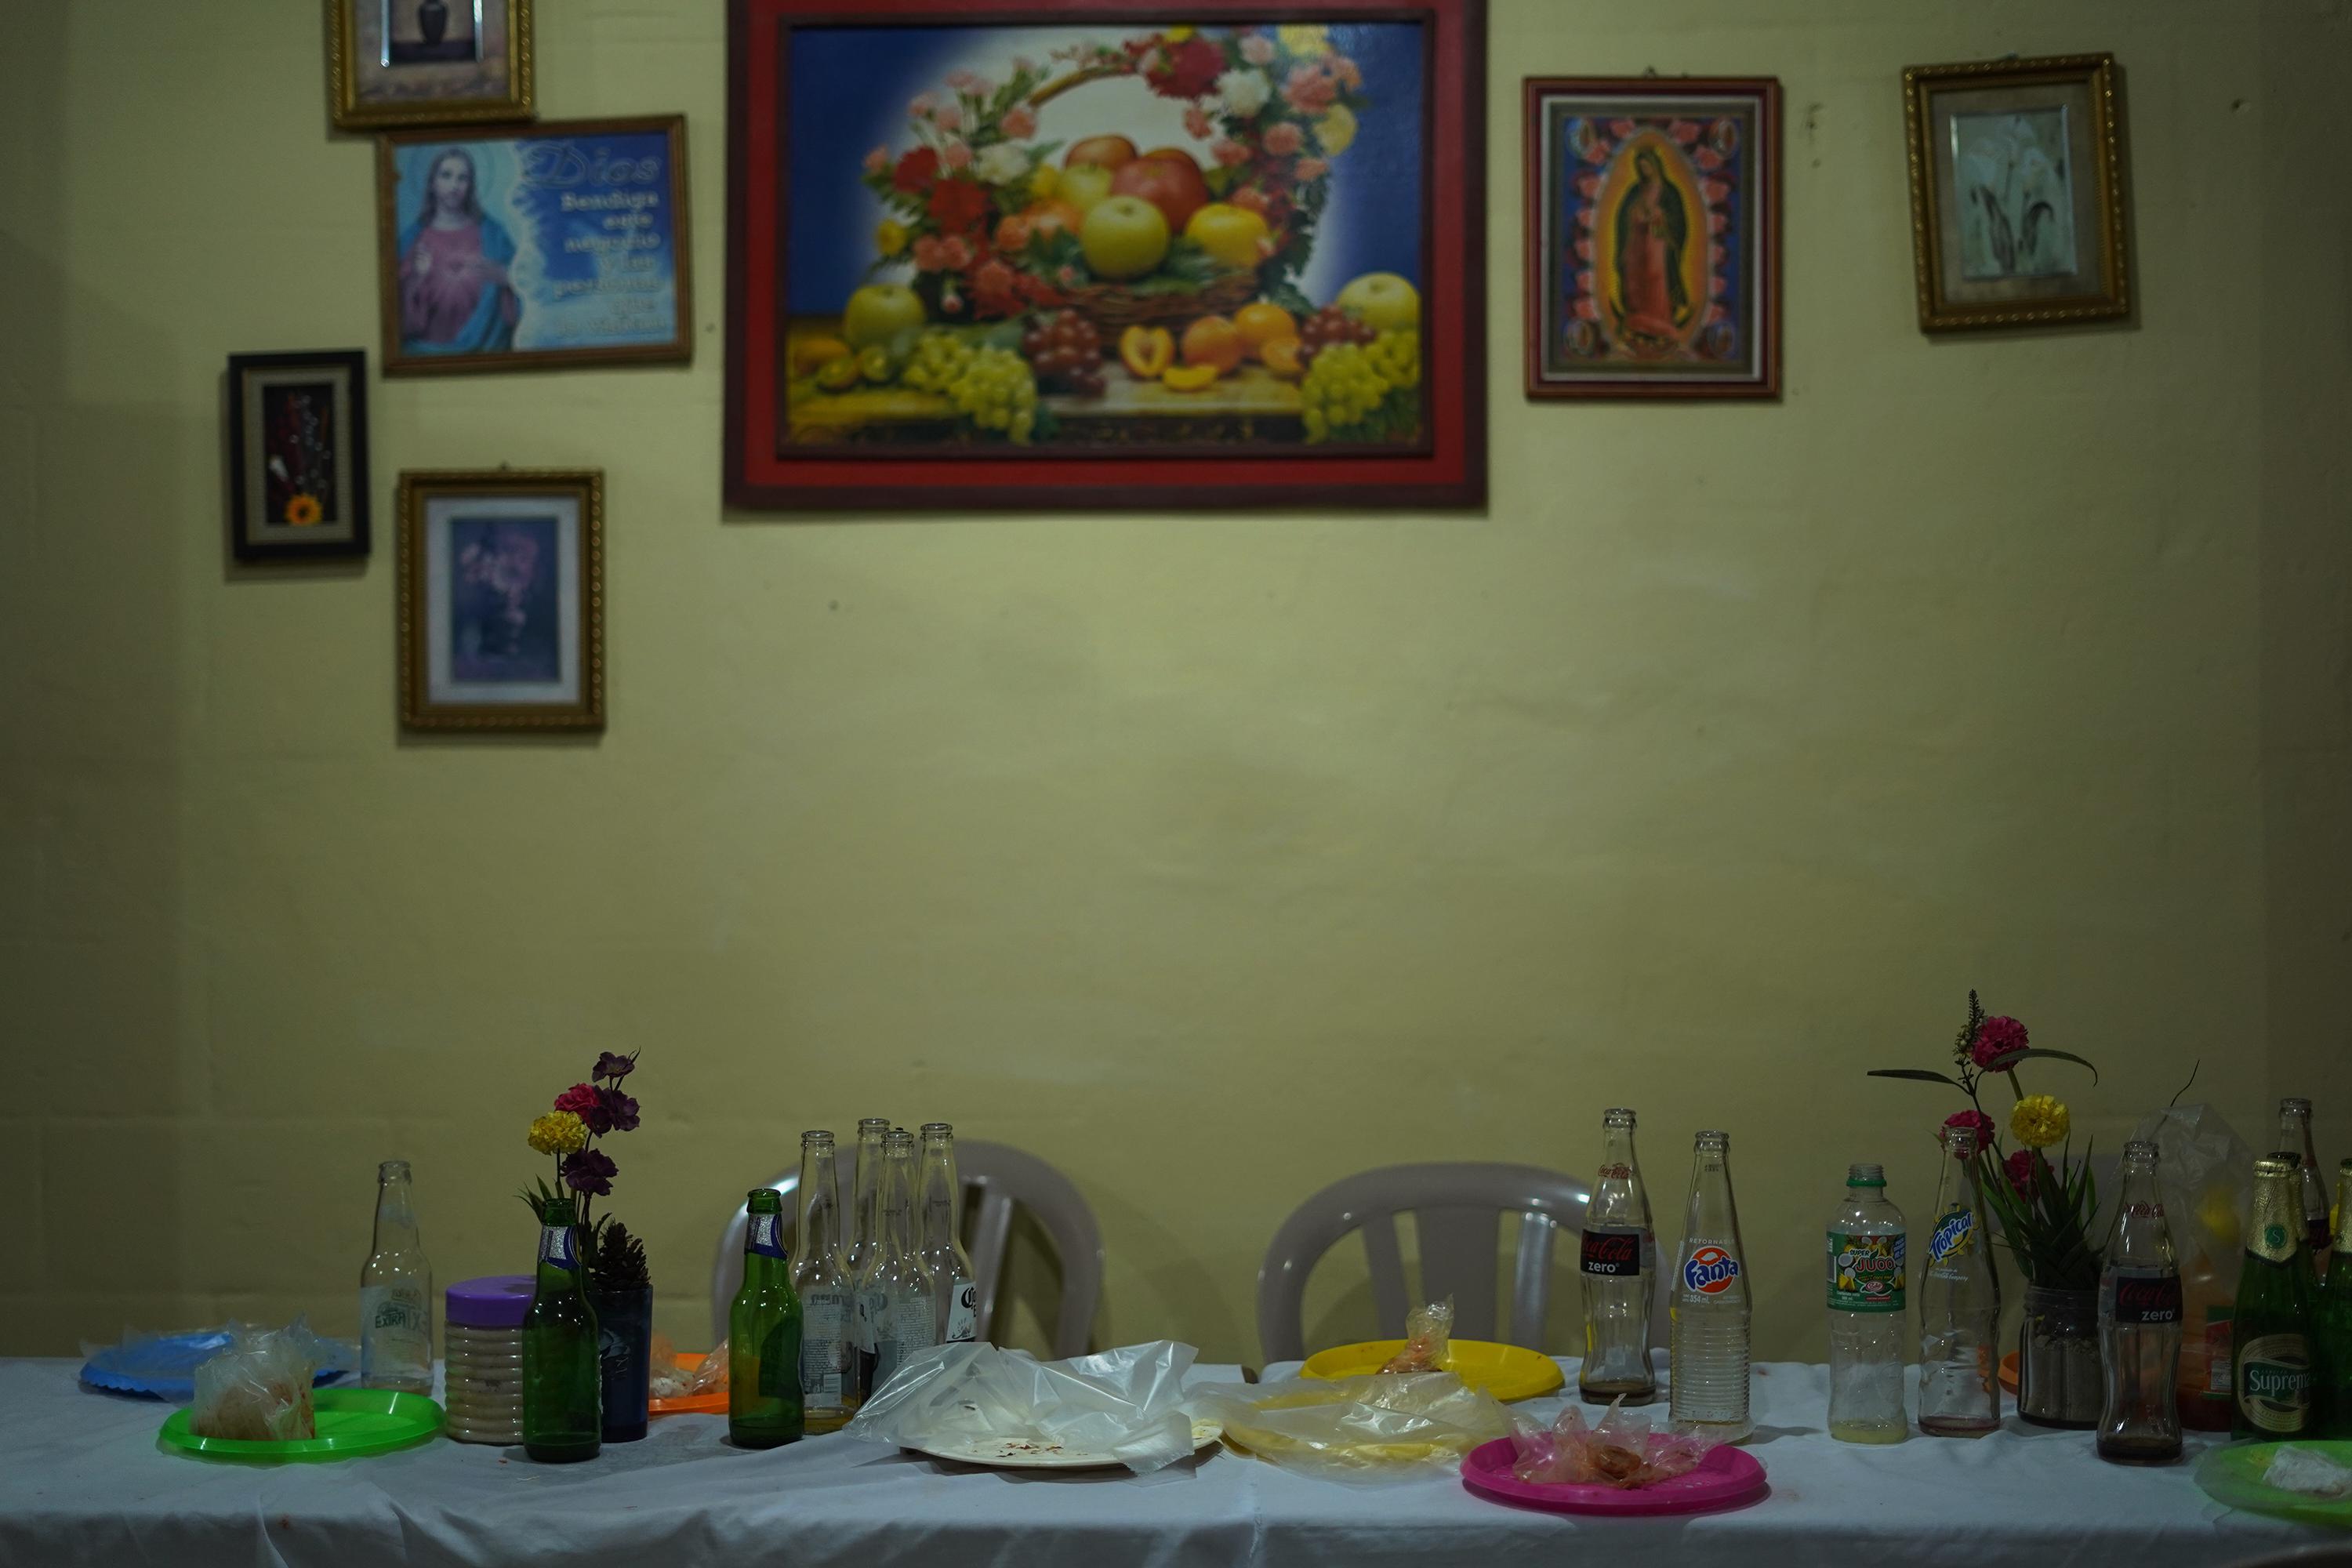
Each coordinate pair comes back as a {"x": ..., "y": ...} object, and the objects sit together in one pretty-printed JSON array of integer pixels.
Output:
[
  {"x": 1614, "y": 1252},
  {"x": 1866, "y": 1271},
  {"x": 1709, "y": 1270},
  {"x": 2274, "y": 1385},
  {"x": 1952, "y": 1236},
  {"x": 2143, "y": 1300}
]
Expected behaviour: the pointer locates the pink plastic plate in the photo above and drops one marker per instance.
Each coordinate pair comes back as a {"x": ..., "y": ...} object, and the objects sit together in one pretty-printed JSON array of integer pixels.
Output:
[{"x": 1727, "y": 1478}]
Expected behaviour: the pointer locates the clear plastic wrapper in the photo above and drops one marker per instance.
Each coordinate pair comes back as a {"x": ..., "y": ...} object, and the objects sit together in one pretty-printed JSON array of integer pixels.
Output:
[
  {"x": 1622, "y": 1450},
  {"x": 1127, "y": 1403},
  {"x": 1428, "y": 1339},
  {"x": 2205, "y": 1173},
  {"x": 711, "y": 1377},
  {"x": 1359, "y": 1429},
  {"x": 259, "y": 1389}
]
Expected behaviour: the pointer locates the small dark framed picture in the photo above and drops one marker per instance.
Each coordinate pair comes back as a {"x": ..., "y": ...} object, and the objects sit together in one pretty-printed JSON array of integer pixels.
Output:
[
  {"x": 298, "y": 454},
  {"x": 1654, "y": 237},
  {"x": 2017, "y": 192},
  {"x": 428, "y": 63},
  {"x": 503, "y": 600}
]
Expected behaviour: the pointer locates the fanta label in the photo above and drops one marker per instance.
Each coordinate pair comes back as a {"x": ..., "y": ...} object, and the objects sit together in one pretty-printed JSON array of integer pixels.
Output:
[
  {"x": 1952, "y": 1236},
  {"x": 1866, "y": 1272},
  {"x": 1614, "y": 1252},
  {"x": 1709, "y": 1270}
]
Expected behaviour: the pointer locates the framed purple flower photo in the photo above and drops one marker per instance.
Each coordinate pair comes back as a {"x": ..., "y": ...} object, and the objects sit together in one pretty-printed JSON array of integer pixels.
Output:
[{"x": 297, "y": 455}]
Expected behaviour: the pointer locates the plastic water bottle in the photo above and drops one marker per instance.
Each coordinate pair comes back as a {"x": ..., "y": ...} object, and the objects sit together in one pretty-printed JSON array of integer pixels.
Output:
[
  {"x": 1867, "y": 1259},
  {"x": 1710, "y": 1301}
]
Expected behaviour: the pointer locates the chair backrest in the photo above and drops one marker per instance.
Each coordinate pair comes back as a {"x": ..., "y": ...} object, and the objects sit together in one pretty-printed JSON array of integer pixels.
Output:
[
  {"x": 996, "y": 1179},
  {"x": 1457, "y": 1211}
]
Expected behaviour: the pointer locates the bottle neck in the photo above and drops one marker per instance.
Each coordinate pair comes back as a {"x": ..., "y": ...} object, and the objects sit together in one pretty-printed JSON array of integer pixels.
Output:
[
  {"x": 869, "y": 1189},
  {"x": 896, "y": 1204},
  {"x": 2294, "y": 1131},
  {"x": 558, "y": 1255},
  {"x": 2341, "y": 1244},
  {"x": 395, "y": 1217},
  {"x": 819, "y": 1200},
  {"x": 942, "y": 1200},
  {"x": 1617, "y": 1197},
  {"x": 2140, "y": 1236}
]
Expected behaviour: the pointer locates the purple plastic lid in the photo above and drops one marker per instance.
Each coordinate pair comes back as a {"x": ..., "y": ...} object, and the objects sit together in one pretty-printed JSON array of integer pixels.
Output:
[{"x": 493, "y": 1302}]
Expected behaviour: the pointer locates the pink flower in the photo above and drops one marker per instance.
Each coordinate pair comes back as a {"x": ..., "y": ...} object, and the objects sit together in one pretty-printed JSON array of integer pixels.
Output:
[
  {"x": 1996, "y": 1043},
  {"x": 1196, "y": 123},
  {"x": 930, "y": 255},
  {"x": 1974, "y": 1119},
  {"x": 1586, "y": 308},
  {"x": 947, "y": 117},
  {"x": 957, "y": 250},
  {"x": 956, "y": 154},
  {"x": 877, "y": 162},
  {"x": 1023, "y": 66},
  {"x": 1620, "y": 128},
  {"x": 951, "y": 303},
  {"x": 1309, "y": 89},
  {"x": 2020, "y": 1167},
  {"x": 1707, "y": 158},
  {"x": 920, "y": 105},
  {"x": 1309, "y": 168},
  {"x": 964, "y": 81},
  {"x": 1257, "y": 49},
  {"x": 1346, "y": 69},
  {"x": 1684, "y": 130},
  {"x": 1584, "y": 281},
  {"x": 1584, "y": 250},
  {"x": 1284, "y": 137},
  {"x": 1019, "y": 120},
  {"x": 580, "y": 1099},
  {"x": 1587, "y": 186},
  {"x": 1230, "y": 153},
  {"x": 1067, "y": 277}
]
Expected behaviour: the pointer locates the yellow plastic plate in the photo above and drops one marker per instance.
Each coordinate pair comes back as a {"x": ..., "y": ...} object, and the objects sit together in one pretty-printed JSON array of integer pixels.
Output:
[{"x": 1507, "y": 1372}]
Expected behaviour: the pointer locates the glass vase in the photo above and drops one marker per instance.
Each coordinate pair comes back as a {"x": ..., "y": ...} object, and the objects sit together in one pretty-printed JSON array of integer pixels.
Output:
[{"x": 2058, "y": 1378}]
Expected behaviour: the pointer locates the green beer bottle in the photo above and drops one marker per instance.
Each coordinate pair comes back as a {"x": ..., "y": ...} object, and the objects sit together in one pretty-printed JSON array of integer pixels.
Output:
[
  {"x": 562, "y": 1384},
  {"x": 2269, "y": 1351},
  {"x": 2333, "y": 1349},
  {"x": 763, "y": 1335}
]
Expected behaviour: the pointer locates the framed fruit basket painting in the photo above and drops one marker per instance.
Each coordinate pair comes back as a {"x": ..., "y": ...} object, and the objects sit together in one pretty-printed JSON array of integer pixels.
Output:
[{"x": 1080, "y": 253}]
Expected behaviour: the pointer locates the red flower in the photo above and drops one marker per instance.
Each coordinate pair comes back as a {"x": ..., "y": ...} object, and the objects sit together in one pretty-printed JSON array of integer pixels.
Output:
[
  {"x": 994, "y": 287},
  {"x": 1996, "y": 1043},
  {"x": 916, "y": 170},
  {"x": 958, "y": 206},
  {"x": 2020, "y": 1173},
  {"x": 580, "y": 1099},
  {"x": 1191, "y": 69},
  {"x": 1977, "y": 1120}
]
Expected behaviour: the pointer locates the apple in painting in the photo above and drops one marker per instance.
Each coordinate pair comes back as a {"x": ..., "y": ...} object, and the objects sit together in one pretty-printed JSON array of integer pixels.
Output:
[
  {"x": 1102, "y": 152},
  {"x": 1172, "y": 184},
  {"x": 1124, "y": 237},
  {"x": 880, "y": 312},
  {"x": 1381, "y": 299},
  {"x": 1082, "y": 186},
  {"x": 1230, "y": 234}
]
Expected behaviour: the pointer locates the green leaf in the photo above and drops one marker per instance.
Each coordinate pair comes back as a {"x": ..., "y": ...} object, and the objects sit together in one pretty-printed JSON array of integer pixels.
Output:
[
  {"x": 2031, "y": 1051},
  {"x": 1917, "y": 1074}
]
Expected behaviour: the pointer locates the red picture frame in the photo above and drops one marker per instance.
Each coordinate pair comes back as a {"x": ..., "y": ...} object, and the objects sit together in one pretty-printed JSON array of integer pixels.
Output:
[{"x": 1444, "y": 464}]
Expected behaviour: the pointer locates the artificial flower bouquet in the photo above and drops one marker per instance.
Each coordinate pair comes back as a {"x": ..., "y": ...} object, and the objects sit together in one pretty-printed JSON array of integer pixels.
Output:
[{"x": 583, "y": 1172}]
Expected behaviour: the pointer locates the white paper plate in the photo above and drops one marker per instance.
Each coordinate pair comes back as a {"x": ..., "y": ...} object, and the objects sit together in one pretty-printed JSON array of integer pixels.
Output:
[{"x": 1026, "y": 1454}]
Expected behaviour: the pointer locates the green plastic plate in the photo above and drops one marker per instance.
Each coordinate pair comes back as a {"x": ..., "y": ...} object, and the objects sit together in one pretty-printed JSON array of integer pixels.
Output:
[
  {"x": 353, "y": 1423},
  {"x": 2235, "y": 1476}
]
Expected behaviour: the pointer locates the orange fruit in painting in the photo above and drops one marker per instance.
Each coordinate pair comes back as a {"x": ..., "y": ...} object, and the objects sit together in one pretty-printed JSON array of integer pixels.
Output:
[
  {"x": 1146, "y": 352},
  {"x": 1188, "y": 377},
  {"x": 1053, "y": 215},
  {"x": 1281, "y": 357},
  {"x": 1213, "y": 339},
  {"x": 1013, "y": 234},
  {"x": 1261, "y": 324}
]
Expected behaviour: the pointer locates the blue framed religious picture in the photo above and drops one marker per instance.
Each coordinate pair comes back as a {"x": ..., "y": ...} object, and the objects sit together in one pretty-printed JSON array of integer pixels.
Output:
[
  {"x": 503, "y": 600},
  {"x": 557, "y": 244},
  {"x": 298, "y": 487},
  {"x": 1654, "y": 237},
  {"x": 428, "y": 63}
]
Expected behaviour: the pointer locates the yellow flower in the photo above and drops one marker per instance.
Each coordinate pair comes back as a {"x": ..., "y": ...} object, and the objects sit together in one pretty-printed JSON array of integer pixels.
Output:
[
  {"x": 1045, "y": 183},
  {"x": 559, "y": 1132},
  {"x": 1306, "y": 39},
  {"x": 890, "y": 237},
  {"x": 1177, "y": 34},
  {"x": 2038, "y": 1121},
  {"x": 1337, "y": 130},
  {"x": 303, "y": 510}
]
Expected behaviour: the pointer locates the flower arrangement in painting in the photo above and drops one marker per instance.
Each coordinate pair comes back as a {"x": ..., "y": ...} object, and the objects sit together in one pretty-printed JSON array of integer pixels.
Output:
[
  {"x": 568, "y": 1132},
  {"x": 300, "y": 457}
]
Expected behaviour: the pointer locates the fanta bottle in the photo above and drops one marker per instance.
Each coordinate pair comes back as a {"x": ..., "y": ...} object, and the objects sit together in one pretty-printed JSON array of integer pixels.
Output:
[
  {"x": 1866, "y": 1276},
  {"x": 1710, "y": 1303}
]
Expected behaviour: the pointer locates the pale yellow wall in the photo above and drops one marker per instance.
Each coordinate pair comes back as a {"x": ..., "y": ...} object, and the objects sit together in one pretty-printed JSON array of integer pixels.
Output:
[{"x": 1211, "y": 856}]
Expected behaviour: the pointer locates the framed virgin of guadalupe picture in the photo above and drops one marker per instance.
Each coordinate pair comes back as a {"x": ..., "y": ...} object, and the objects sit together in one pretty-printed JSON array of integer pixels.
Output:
[
  {"x": 2017, "y": 192},
  {"x": 1654, "y": 237},
  {"x": 428, "y": 63},
  {"x": 298, "y": 459}
]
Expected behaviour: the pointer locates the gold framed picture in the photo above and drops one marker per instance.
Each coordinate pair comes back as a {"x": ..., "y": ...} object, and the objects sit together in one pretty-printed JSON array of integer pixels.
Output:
[
  {"x": 502, "y": 599},
  {"x": 428, "y": 63},
  {"x": 2018, "y": 211}
]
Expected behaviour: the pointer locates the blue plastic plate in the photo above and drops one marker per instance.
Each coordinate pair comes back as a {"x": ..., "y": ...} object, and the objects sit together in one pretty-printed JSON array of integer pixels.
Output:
[{"x": 165, "y": 1367}]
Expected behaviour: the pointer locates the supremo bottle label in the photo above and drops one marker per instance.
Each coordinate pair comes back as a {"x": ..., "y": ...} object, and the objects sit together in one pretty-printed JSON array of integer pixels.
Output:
[
  {"x": 1612, "y": 1251},
  {"x": 2142, "y": 1299},
  {"x": 2274, "y": 1383},
  {"x": 555, "y": 1247},
  {"x": 766, "y": 1236},
  {"x": 1709, "y": 1270},
  {"x": 1866, "y": 1272}
]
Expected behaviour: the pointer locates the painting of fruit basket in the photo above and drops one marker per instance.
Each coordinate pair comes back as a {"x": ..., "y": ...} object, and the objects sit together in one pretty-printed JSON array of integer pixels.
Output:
[{"x": 1082, "y": 253}]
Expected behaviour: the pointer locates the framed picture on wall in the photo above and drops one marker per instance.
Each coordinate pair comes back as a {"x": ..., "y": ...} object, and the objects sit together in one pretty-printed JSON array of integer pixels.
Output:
[
  {"x": 561, "y": 244},
  {"x": 1079, "y": 255},
  {"x": 503, "y": 600},
  {"x": 428, "y": 63},
  {"x": 298, "y": 454},
  {"x": 2017, "y": 192},
  {"x": 1652, "y": 236}
]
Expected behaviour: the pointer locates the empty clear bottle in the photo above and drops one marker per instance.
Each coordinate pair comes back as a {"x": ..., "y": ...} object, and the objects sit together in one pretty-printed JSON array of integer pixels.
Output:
[
  {"x": 2295, "y": 1134},
  {"x": 396, "y": 1292},
  {"x": 896, "y": 1295},
  {"x": 1709, "y": 1387},
  {"x": 1866, "y": 1266},
  {"x": 955, "y": 1315},
  {"x": 764, "y": 1408},
  {"x": 1619, "y": 1258},
  {"x": 866, "y": 1230},
  {"x": 1959, "y": 1309},
  {"x": 2139, "y": 1322},
  {"x": 828, "y": 1356}
]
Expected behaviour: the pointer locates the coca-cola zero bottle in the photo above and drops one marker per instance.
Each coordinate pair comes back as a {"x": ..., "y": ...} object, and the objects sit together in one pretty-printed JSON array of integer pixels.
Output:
[
  {"x": 1619, "y": 1267},
  {"x": 2139, "y": 1322}
]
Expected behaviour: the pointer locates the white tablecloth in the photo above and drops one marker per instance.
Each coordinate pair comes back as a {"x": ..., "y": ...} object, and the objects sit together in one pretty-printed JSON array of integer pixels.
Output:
[{"x": 82, "y": 1480}]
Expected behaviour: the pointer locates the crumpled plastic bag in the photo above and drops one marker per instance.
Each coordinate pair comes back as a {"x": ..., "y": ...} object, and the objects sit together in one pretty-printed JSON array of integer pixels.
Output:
[
  {"x": 259, "y": 1389},
  {"x": 1428, "y": 1340},
  {"x": 2205, "y": 1174},
  {"x": 1127, "y": 1404},
  {"x": 1359, "y": 1429},
  {"x": 1620, "y": 1451},
  {"x": 2308, "y": 1473}
]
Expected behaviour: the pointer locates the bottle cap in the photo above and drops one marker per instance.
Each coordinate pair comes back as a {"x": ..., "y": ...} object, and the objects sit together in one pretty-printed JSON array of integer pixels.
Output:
[
  {"x": 1617, "y": 1117},
  {"x": 1860, "y": 1176},
  {"x": 493, "y": 1302}
]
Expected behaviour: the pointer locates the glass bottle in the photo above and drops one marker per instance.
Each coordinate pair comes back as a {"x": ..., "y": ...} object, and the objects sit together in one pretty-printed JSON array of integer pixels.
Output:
[
  {"x": 946, "y": 1264},
  {"x": 2270, "y": 1349},
  {"x": 896, "y": 1296},
  {"x": 1867, "y": 1269},
  {"x": 2139, "y": 1322},
  {"x": 866, "y": 1227},
  {"x": 763, "y": 1334},
  {"x": 1959, "y": 1312},
  {"x": 1618, "y": 1258},
  {"x": 396, "y": 1292},
  {"x": 1711, "y": 1306},
  {"x": 828, "y": 1358},
  {"x": 562, "y": 1381},
  {"x": 2333, "y": 1342},
  {"x": 2295, "y": 1137}
]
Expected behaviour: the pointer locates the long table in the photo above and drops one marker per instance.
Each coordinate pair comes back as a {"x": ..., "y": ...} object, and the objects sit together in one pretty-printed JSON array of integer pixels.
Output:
[{"x": 82, "y": 1480}]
